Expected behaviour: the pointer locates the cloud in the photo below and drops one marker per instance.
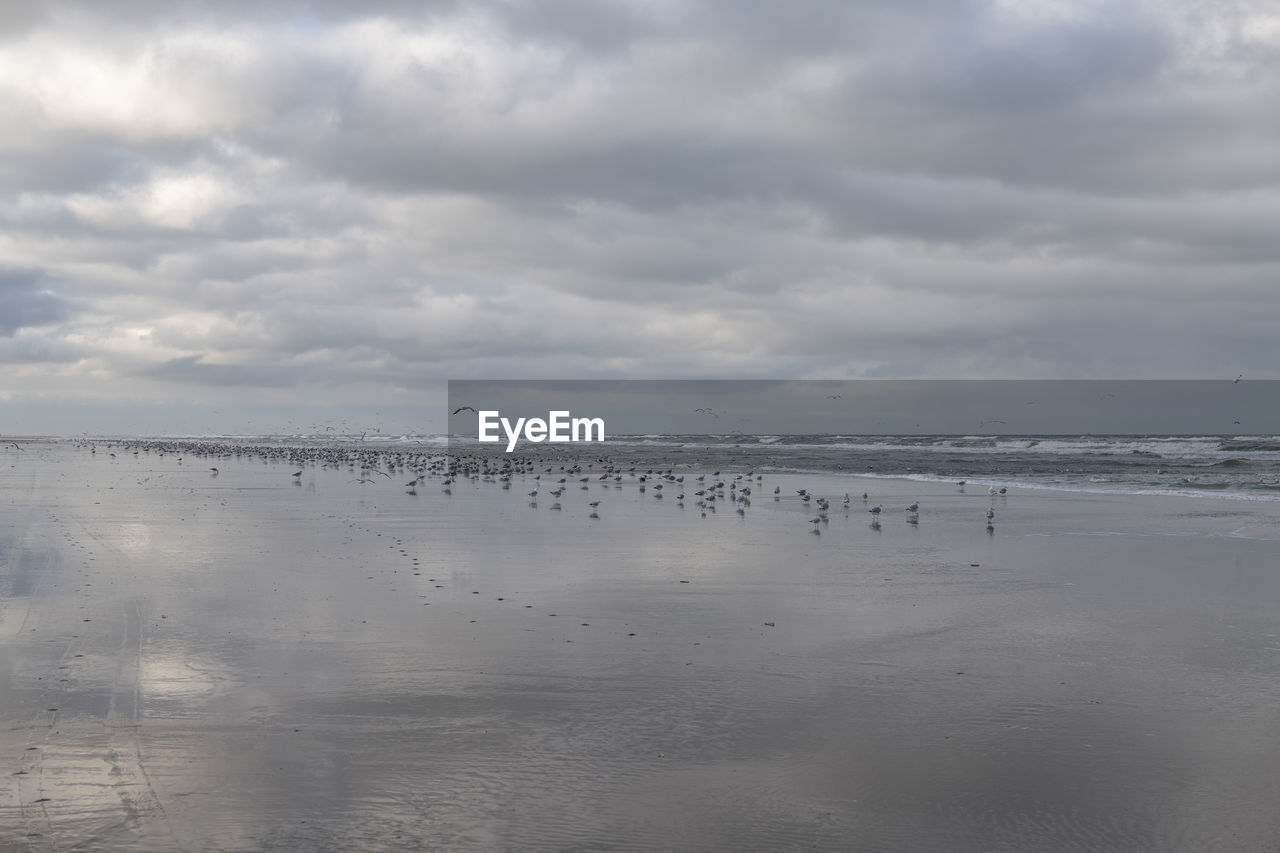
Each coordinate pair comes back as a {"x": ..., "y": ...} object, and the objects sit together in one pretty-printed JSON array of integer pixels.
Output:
[
  {"x": 25, "y": 300},
  {"x": 375, "y": 198}
]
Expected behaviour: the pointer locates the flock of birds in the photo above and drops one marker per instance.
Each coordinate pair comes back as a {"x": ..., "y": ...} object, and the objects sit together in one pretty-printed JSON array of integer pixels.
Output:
[
  {"x": 736, "y": 491},
  {"x": 372, "y": 466}
]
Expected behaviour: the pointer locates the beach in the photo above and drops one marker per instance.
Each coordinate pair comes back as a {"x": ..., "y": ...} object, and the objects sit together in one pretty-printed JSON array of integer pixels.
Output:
[{"x": 247, "y": 660}]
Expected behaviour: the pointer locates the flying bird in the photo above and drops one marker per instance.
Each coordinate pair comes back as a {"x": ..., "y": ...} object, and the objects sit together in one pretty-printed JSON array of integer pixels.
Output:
[
  {"x": 1237, "y": 379},
  {"x": 462, "y": 409}
]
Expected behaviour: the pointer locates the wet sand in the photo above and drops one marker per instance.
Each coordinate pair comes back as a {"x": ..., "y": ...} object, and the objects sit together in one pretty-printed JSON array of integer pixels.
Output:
[{"x": 239, "y": 663}]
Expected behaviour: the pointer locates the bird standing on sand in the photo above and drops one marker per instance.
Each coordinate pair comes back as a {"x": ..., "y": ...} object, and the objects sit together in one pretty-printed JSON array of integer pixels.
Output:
[
  {"x": 914, "y": 508},
  {"x": 875, "y": 511},
  {"x": 991, "y": 514}
]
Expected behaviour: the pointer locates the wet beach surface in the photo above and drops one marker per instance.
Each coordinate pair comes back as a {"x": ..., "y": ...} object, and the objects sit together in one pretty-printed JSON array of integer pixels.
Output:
[{"x": 253, "y": 661}]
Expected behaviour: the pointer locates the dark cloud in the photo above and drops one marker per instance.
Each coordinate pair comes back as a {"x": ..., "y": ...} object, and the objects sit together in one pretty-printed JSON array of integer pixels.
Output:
[
  {"x": 27, "y": 300},
  {"x": 19, "y": 18},
  {"x": 193, "y": 370},
  {"x": 86, "y": 162}
]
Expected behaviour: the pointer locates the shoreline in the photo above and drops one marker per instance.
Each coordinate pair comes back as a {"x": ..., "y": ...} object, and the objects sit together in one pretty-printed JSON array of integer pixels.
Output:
[{"x": 545, "y": 455}]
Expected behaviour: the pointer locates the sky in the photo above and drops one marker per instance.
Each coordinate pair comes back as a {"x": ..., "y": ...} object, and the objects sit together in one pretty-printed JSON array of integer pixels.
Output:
[{"x": 286, "y": 216}]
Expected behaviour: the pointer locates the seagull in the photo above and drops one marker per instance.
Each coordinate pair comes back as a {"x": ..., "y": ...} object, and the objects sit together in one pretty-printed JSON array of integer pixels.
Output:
[
  {"x": 991, "y": 513},
  {"x": 876, "y": 510},
  {"x": 1237, "y": 379},
  {"x": 297, "y": 473},
  {"x": 915, "y": 507},
  {"x": 462, "y": 409}
]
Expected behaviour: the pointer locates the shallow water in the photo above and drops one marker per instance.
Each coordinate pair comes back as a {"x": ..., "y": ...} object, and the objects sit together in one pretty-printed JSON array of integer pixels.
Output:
[{"x": 240, "y": 663}]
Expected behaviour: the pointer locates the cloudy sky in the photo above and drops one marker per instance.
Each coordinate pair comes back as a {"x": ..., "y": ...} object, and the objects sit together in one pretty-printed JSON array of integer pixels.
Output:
[{"x": 258, "y": 216}]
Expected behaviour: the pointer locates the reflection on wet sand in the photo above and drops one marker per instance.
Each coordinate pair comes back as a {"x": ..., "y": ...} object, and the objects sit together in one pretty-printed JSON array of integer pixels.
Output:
[{"x": 232, "y": 663}]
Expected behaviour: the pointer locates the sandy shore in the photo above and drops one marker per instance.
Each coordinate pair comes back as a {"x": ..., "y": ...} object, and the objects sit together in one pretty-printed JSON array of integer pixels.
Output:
[{"x": 238, "y": 662}]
